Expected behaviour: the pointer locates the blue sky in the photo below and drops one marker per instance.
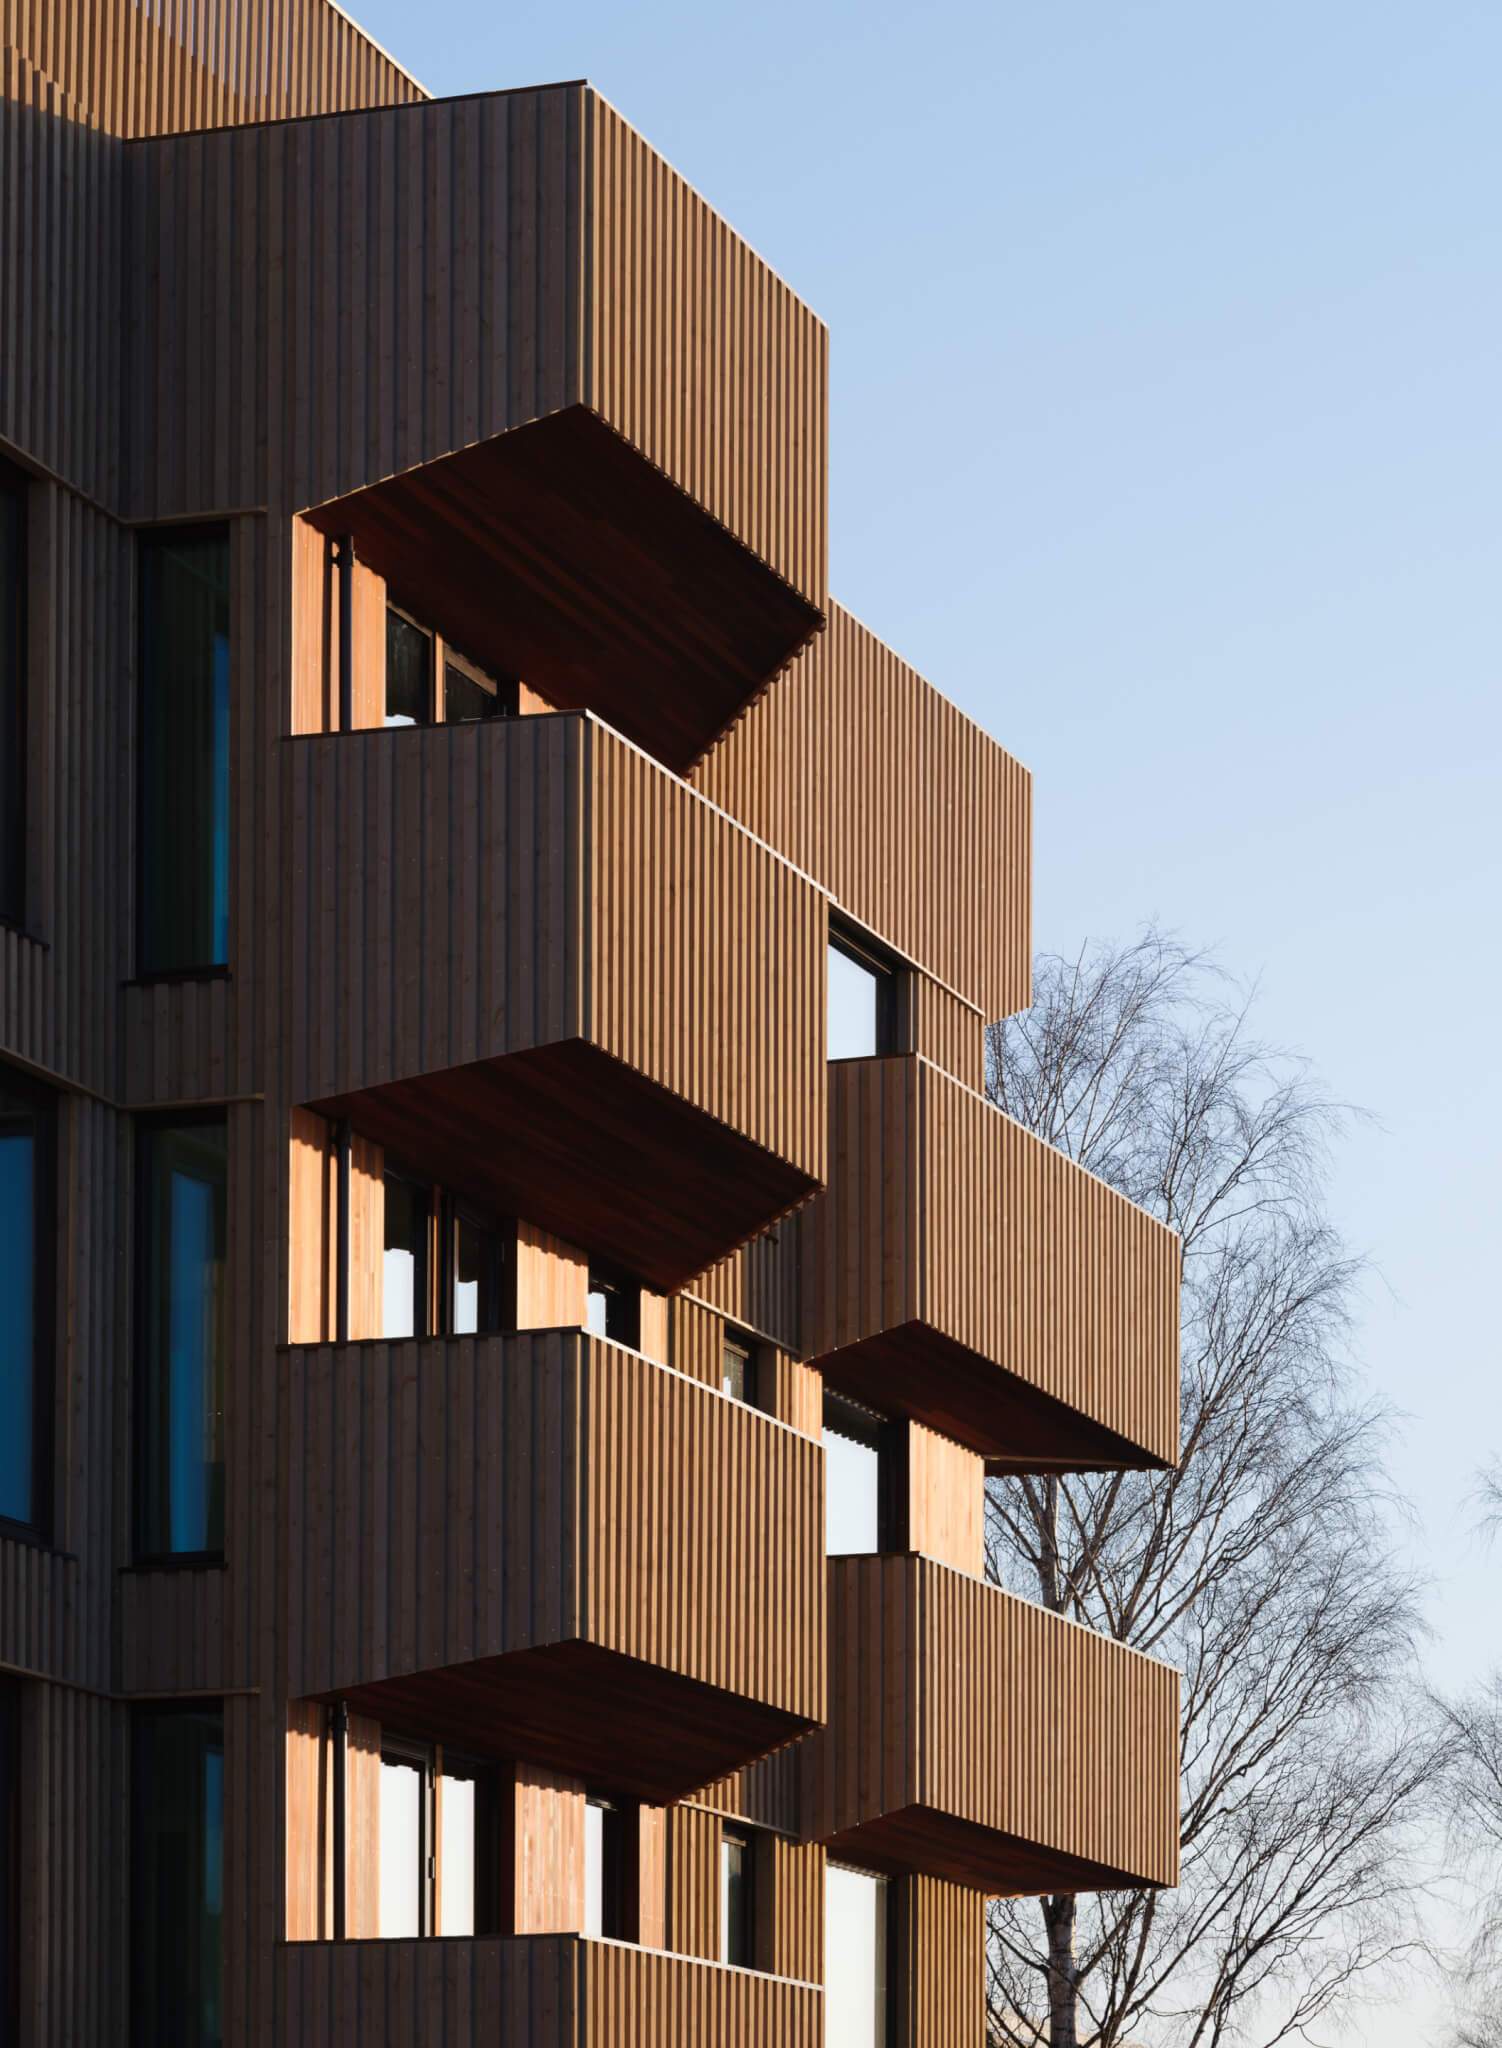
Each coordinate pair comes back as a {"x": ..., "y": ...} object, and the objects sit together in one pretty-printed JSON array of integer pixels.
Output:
[{"x": 1166, "y": 441}]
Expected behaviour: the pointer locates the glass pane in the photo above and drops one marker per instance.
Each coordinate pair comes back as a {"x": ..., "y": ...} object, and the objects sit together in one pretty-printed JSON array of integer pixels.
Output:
[
  {"x": 855, "y": 1959},
  {"x": 735, "y": 1903},
  {"x": 733, "y": 1363},
  {"x": 457, "y": 1848},
  {"x": 476, "y": 1259},
  {"x": 177, "y": 1898},
  {"x": 611, "y": 1310},
  {"x": 854, "y": 1008},
  {"x": 404, "y": 1266},
  {"x": 594, "y": 1870},
  {"x": 18, "y": 1320},
  {"x": 401, "y": 1849},
  {"x": 852, "y": 1479},
  {"x": 465, "y": 697},
  {"x": 409, "y": 672},
  {"x": 181, "y": 1413},
  {"x": 12, "y": 698},
  {"x": 184, "y": 770}
]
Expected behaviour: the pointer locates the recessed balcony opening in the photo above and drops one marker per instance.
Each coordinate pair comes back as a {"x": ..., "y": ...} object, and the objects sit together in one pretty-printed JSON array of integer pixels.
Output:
[{"x": 559, "y": 554}]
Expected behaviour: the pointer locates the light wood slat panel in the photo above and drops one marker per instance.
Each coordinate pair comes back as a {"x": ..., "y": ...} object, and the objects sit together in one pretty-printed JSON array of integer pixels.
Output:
[
  {"x": 981, "y": 1739},
  {"x": 961, "y": 1271},
  {"x": 146, "y": 69},
  {"x": 693, "y": 1882},
  {"x": 940, "y": 1964},
  {"x": 944, "y": 1028},
  {"x": 702, "y": 357},
  {"x": 642, "y": 1995},
  {"x": 946, "y": 1500},
  {"x": 913, "y": 818}
]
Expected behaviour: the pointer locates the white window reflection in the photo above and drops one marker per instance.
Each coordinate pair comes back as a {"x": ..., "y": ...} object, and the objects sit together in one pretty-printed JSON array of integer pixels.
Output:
[{"x": 855, "y": 1958}]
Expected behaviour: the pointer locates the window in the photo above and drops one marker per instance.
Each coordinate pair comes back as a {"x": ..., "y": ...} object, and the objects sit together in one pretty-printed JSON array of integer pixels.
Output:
[
  {"x": 437, "y": 1821},
  {"x": 421, "y": 1222},
  {"x": 469, "y": 693},
  {"x": 473, "y": 1264},
  {"x": 404, "y": 1261},
  {"x": 855, "y": 1958},
  {"x": 10, "y": 1860},
  {"x": 862, "y": 1000},
  {"x": 180, "y": 1383},
  {"x": 177, "y": 1893},
  {"x": 183, "y": 827},
  {"x": 614, "y": 1307},
  {"x": 737, "y": 1898},
  {"x": 409, "y": 670},
  {"x": 26, "y": 1124},
  {"x": 852, "y": 1477},
  {"x": 737, "y": 1369},
  {"x": 13, "y": 686},
  {"x": 604, "y": 1868}
]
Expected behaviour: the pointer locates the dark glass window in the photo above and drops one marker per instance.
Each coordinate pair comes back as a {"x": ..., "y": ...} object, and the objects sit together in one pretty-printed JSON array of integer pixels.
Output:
[
  {"x": 12, "y": 694},
  {"x": 409, "y": 670},
  {"x": 25, "y": 1289},
  {"x": 738, "y": 1369},
  {"x": 852, "y": 1478},
  {"x": 614, "y": 1307},
  {"x": 404, "y": 1265},
  {"x": 737, "y": 1899},
  {"x": 604, "y": 1869},
  {"x": 180, "y": 1400},
  {"x": 10, "y": 1860},
  {"x": 177, "y": 1896},
  {"x": 469, "y": 693},
  {"x": 183, "y": 829},
  {"x": 862, "y": 1000},
  {"x": 474, "y": 1269}
]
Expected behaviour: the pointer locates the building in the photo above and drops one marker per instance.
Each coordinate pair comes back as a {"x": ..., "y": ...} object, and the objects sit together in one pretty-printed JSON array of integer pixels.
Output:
[{"x": 492, "y": 1144}]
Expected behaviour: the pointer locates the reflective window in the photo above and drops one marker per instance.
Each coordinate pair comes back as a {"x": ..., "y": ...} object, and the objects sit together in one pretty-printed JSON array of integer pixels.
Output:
[
  {"x": 409, "y": 670},
  {"x": 183, "y": 827},
  {"x": 852, "y": 1478},
  {"x": 182, "y": 1227},
  {"x": 474, "y": 1275},
  {"x": 735, "y": 1369},
  {"x": 458, "y": 1854},
  {"x": 862, "y": 1002},
  {"x": 403, "y": 1844},
  {"x": 12, "y": 694},
  {"x": 177, "y": 1897},
  {"x": 736, "y": 1899},
  {"x": 855, "y": 1958},
  {"x": 437, "y": 1842},
  {"x": 604, "y": 1869},
  {"x": 25, "y": 1266},
  {"x": 404, "y": 1263}
]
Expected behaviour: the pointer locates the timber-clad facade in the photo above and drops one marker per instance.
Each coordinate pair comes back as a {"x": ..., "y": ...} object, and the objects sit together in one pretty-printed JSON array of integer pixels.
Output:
[{"x": 510, "y": 1284}]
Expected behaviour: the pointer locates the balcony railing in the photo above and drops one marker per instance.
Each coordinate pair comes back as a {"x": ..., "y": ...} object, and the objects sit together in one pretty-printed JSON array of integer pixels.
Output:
[
  {"x": 547, "y": 1990},
  {"x": 960, "y": 1271},
  {"x": 534, "y": 964},
  {"x": 545, "y": 1545},
  {"x": 978, "y": 1738}
]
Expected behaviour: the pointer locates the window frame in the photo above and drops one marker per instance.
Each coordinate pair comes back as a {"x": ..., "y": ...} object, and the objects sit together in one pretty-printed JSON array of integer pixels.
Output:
[
  {"x": 425, "y": 1282},
  {"x": 454, "y": 1210},
  {"x": 435, "y": 680},
  {"x": 43, "y": 1106},
  {"x": 505, "y": 690},
  {"x": 887, "y": 2008},
  {"x": 614, "y": 1905},
  {"x": 142, "y": 1714},
  {"x": 143, "y": 1557},
  {"x": 887, "y": 972},
  {"x": 603, "y": 1278},
  {"x": 743, "y": 1839},
  {"x": 15, "y": 810}
]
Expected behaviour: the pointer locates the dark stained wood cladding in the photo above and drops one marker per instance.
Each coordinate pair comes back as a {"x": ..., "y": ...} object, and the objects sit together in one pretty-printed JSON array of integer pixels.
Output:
[
  {"x": 982, "y": 1740},
  {"x": 962, "y": 1272},
  {"x": 557, "y": 553},
  {"x": 940, "y": 1964},
  {"x": 544, "y": 1481},
  {"x": 146, "y": 69},
  {"x": 547, "y": 1990},
  {"x": 913, "y": 818},
  {"x": 72, "y": 1920},
  {"x": 526, "y": 929}
]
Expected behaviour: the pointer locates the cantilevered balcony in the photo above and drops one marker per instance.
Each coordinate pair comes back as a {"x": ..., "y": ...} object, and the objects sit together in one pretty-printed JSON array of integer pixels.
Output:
[
  {"x": 980, "y": 1739},
  {"x": 963, "y": 1273},
  {"x": 525, "y": 957},
  {"x": 545, "y": 1545},
  {"x": 547, "y": 1990}
]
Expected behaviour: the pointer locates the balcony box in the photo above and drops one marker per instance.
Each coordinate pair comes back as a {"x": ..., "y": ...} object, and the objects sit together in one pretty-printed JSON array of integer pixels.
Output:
[
  {"x": 980, "y": 1739},
  {"x": 961, "y": 1272},
  {"x": 547, "y": 1990},
  {"x": 545, "y": 1545},
  {"x": 528, "y": 960}
]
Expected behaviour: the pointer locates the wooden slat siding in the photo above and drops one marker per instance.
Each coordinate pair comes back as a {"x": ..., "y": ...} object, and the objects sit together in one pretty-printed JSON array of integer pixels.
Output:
[
  {"x": 951, "y": 1696},
  {"x": 760, "y": 1286},
  {"x": 702, "y": 357},
  {"x": 946, "y": 1500},
  {"x": 564, "y": 1451},
  {"x": 546, "y": 1889},
  {"x": 790, "y": 1892},
  {"x": 137, "y": 70},
  {"x": 552, "y": 1281},
  {"x": 696, "y": 1339},
  {"x": 944, "y": 1028},
  {"x": 944, "y": 1213},
  {"x": 642, "y": 1995},
  {"x": 914, "y": 819},
  {"x": 693, "y": 1882},
  {"x": 71, "y": 1784},
  {"x": 940, "y": 1964}
]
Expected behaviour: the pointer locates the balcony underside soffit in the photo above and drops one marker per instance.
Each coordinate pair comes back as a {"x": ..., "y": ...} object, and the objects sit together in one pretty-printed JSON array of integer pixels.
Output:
[{"x": 918, "y": 1838}]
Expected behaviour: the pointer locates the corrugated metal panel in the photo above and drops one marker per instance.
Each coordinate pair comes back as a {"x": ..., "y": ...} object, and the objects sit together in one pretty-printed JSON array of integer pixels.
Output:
[
  {"x": 144, "y": 67},
  {"x": 914, "y": 819}
]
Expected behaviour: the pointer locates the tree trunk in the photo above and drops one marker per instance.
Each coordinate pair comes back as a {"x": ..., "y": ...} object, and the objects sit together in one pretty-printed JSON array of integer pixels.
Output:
[{"x": 1063, "y": 1976}]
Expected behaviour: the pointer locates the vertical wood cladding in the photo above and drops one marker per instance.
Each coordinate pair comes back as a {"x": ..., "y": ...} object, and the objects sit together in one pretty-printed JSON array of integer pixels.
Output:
[
  {"x": 915, "y": 820},
  {"x": 943, "y": 1213},
  {"x": 946, "y": 1501},
  {"x": 146, "y": 69},
  {"x": 952, "y": 1701},
  {"x": 71, "y": 1782},
  {"x": 940, "y": 1964},
  {"x": 701, "y": 356},
  {"x": 693, "y": 1882}
]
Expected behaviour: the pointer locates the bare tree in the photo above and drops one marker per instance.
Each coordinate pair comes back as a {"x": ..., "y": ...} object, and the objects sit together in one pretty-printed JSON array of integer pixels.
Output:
[
  {"x": 1262, "y": 1565},
  {"x": 1476, "y": 1829}
]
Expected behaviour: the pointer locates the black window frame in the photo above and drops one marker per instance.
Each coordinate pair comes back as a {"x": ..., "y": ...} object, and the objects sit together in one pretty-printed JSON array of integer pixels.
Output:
[
  {"x": 145, "y": 1556},
  {"x": 146, "y": 972},
  {"x": 887, "y": 1438},
  {"x": 43, "y": 1108},
  {"x": 887, "y": 972},
  {"x": 743, "y": 1935},
  {"x": 153, "y": 1714},
  {"x": 456, "y": 1211},
  {"x": 615, "y": 1903},
  {"x": 753, "y": 1367},
  {"x": 15, "y": 560},
  {"x": 424, "y": 1320},
  {"x": 625, "y": 1290}
]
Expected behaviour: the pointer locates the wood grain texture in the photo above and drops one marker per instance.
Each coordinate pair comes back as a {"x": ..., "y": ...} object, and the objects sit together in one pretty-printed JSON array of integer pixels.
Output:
[
  {"x": 980, "y": 1739},
  {"x": 914, "y": 819},
  {"x": 960, "y": 1271},
  {"x": 940, "y": 1964},
  {"x": 946, "y": 1517}
]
